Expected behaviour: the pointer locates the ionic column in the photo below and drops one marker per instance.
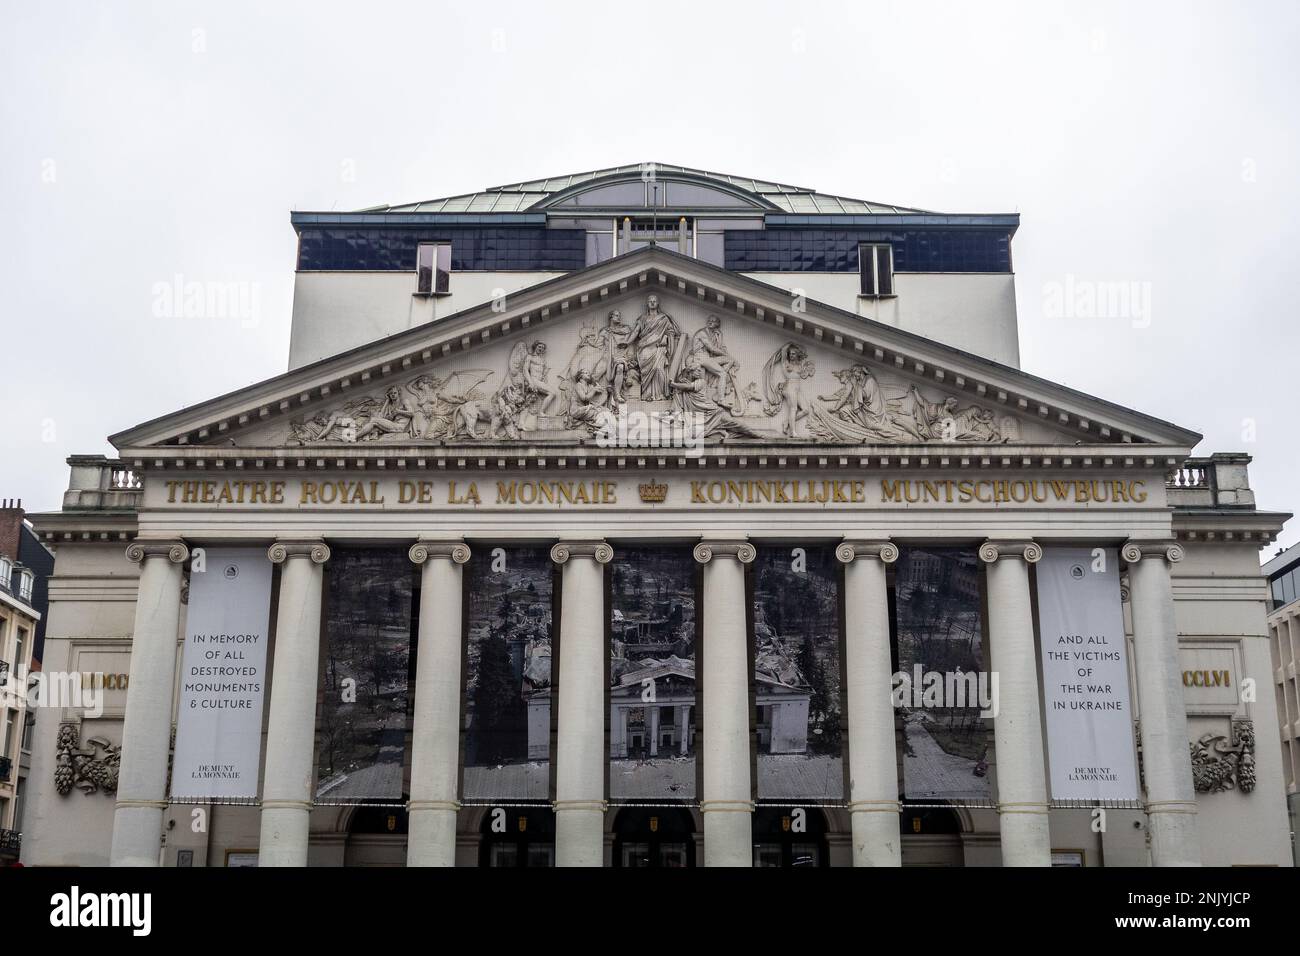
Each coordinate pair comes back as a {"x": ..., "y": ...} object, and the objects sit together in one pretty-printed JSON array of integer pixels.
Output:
[
  {"x": 727, "y": 803},
  {"x": 1166, "y": 767},
  {"x": 435, "y": 734},
  {"x": 1017, "y": 725},
  {"x": 580, "y": 748},
  {"x": 286, "y": 793},
  {"x": 873, "y": 766},
  {"x": 146, "y": 729}
]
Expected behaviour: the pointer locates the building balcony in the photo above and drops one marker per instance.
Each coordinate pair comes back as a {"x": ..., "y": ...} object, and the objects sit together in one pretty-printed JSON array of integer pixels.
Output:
[
  {"x": 98, "y": 483},
  {"x": 11, "y": 843},
  {"x": 1218, "y": 482}
]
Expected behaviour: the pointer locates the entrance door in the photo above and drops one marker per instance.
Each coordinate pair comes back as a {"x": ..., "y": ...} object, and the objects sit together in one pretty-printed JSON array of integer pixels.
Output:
[
  {"x": 790, "y": 836},
  {"x": 931, "y": 837},
  {"x": 518, "y": 836},
  {"x": 654, "y": 837}
]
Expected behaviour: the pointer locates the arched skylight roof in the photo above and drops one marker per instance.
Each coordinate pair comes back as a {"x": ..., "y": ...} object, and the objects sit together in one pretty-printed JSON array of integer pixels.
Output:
[{"x": 535, "y": 194}]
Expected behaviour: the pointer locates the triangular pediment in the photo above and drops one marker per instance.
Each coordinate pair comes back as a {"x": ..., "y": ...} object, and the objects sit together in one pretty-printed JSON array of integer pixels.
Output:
[{"x": 652, "y": 336}]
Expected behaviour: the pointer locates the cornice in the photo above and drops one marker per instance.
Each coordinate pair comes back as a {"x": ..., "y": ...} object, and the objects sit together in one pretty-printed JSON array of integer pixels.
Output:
[
  {"x": 1257, "y": 528},
  {"x": 85, "y": 527},
  {"x": 380, "y": 459}
]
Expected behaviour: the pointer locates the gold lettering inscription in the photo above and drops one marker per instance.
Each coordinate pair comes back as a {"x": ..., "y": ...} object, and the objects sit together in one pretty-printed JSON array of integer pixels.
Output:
[
  {"x": 1011, "y": 491},
  {"x": 1206, "y": 679}
]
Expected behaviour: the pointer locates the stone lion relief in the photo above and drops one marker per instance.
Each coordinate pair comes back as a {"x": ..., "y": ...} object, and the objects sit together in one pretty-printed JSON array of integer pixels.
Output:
[{"x": 651, "y": 367}]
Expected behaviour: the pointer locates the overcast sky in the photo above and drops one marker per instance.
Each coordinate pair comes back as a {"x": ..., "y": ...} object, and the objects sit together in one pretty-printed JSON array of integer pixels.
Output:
[{"x": 1153, "y": 144}]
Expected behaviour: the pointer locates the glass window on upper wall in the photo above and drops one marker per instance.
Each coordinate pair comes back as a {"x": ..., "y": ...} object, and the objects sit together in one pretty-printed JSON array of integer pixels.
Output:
[
  {"x": 1288, "y": 587},
  {"x": 433, "y": 268},
  {"x": 600, "y": 246},
  {"x": 876, "y": 268}
]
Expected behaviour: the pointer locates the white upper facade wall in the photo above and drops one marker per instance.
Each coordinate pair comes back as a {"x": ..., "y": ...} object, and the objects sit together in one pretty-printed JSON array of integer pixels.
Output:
[{"x": 337, "y": 311}]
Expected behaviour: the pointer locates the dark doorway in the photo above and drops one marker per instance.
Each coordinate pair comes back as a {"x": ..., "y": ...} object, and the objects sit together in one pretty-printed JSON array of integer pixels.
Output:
[
  {"x": 518, "y": 836},
  {"x": 931, "y": 836},
  {"x": 654, "y": 837},
  {"x": 790, "y": 836}
]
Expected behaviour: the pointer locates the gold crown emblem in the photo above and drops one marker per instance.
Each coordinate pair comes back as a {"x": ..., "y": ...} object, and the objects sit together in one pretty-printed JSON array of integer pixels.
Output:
[{"x": 652, "y": 493}]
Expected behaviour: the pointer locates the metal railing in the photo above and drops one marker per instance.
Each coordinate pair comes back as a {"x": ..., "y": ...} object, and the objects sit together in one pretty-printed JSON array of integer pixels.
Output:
[{"x": 11, "y": 842}]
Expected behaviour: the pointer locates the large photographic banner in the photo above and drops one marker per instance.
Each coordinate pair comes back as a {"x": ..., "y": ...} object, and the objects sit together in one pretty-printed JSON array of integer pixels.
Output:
[
  {"x": 508, "y": 674},
  {"x": 797, "y": 674},
  {"x": 223, "y": 676},
  {"x": 652, "y": 675},
  {"x": 361, "y": 733},
  {"x": 1085, "y": 675},
  {"x": 944, "y": 688}
]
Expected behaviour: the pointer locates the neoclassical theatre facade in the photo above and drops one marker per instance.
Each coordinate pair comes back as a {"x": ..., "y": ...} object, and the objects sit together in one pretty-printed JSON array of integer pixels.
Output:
[{"x": 659, "y": 519}]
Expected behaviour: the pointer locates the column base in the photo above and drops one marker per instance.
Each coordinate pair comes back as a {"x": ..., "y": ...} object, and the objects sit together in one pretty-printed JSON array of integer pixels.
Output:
[
  {"x": 1025, "y": 838},
  {"x": 876, "y": 839},
  {"x": 285, "y": 832},
  {"x": 580, "y": 835},
  {"x": 431, "y": 839},
  {"x": 1175, "y": 837},
  {"x": 137, "y": 836},
  {"x": 728, "y": 835}
]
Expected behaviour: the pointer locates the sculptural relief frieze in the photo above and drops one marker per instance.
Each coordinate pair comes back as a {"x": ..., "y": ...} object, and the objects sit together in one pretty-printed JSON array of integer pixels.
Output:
[
  {"x": 653, "y": 366},
  {"x": 91, "y": 768},
  {"x": 1222, "y": 762}
]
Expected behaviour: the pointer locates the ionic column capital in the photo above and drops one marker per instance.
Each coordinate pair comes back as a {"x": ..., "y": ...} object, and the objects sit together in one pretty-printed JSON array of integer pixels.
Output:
[
  {"x": 598, "y": 551},
  {"x": 142, "y": 549},
  {"x": 741, "y": 550},
  {"x": 1134, "y": 551},
  {"x": 281, "y": 551},
  {"x": 1029, "y": 551},
  {"x": 849, "y": 550},
  {"x": 453, "y": 549}
]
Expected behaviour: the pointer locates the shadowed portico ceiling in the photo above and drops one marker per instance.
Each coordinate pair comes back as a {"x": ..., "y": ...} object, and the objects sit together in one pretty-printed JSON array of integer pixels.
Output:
[
  {"x": 243, "y": 425},
  {"x": 523, "y": 196}
]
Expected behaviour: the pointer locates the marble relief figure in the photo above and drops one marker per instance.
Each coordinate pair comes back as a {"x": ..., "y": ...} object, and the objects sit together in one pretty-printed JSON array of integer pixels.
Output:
[
  {"x": 656, "y": 368},
  {"x": 657, "y": 340},
  {"x": 783, "y": 378}
]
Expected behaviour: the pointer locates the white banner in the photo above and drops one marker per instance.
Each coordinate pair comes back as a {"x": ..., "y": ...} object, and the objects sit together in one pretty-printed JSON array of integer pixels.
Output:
[
  {"x": 223, "y": 676},
  {"x": 1085, "y": 676}
]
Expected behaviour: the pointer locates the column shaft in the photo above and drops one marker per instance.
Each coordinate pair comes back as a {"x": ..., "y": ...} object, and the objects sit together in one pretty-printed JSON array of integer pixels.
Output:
[
  {"x": 1017, "y": 726},
  {"x": 727, "y": 804},
  {"x": 146, "y": 729},
  {"x": 1166, "y": 766},
  {"x": 580, "y": 751},
  {"x": 286, "y": 793},
  {"x": 435, "y": 734},
  {"x": 873, "y": 766}
]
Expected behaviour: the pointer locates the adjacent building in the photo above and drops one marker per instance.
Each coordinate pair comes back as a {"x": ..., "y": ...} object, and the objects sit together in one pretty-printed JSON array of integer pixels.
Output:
[
  {"x": 24, "y": 566},
  {"x": 1283, "y": 573}
]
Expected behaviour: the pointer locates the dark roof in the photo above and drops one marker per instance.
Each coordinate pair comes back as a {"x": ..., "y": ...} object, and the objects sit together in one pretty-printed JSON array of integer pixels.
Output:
[{"x": 522, "y": 196}]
